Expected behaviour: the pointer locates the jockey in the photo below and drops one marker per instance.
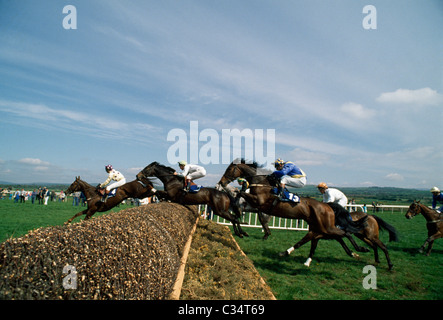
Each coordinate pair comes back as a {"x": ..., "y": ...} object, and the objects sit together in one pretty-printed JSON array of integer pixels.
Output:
[
  {"x": 112, "y": 175},
  {"x": 289, "y": 174},
  {"x": 244, "y": 184},
  {"x": 437, "y": 196},
  {"x": 332, "y": 195},
  {"x": 190, "y": 172}
]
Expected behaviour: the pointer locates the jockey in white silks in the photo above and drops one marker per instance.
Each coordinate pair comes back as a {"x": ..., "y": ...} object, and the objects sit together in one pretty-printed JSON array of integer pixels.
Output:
[
  {"x": 113, "y": 175},
  {"x": 332, "y": 195},
  {"x": 190, "y": 172}
]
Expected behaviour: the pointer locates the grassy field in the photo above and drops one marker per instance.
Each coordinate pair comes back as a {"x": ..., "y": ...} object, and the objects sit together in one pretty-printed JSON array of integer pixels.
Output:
[
  {"x": 332, "y": 275},
  {"x": 18, "y": 218}
]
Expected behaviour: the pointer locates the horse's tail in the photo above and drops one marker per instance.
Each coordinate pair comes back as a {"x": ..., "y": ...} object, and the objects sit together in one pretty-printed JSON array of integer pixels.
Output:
[{"x": 393, "y": 234}]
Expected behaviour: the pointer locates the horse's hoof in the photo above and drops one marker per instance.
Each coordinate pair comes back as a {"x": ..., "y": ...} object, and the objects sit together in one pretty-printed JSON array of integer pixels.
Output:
[
  {"x": 245, "y": 234},
  {"x": 284, "y": 254},
  {"x": 308, "y": 262},
  {"x": 356, "y": 256},
  {"x": 390, "y": 267}
]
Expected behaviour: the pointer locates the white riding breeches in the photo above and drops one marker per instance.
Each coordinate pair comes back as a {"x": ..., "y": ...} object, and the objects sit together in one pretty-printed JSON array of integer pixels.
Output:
[
  {"x": 116, "y": 184},
  {"x": 197, "y": 174},
  {"x": 294, "y": 182}
]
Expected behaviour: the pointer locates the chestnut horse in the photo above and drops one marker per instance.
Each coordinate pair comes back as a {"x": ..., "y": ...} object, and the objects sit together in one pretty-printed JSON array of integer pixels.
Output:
[
  {"x": 434, "y": 223},
  {"x": 220, "y": 202},
  {"x": 134, "y": 189},
  {"x": 319, "y": 216}
]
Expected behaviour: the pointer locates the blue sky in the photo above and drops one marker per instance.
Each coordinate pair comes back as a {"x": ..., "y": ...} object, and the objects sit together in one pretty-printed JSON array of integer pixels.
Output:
[{"x": 350, "y": 106}]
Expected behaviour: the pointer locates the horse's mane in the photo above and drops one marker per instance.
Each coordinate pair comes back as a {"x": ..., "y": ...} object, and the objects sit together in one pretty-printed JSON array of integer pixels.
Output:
[
  {"x": 260, "y": 168},
  {"x": 252, "y": 164},
  {"x": 157, "y": 164}
]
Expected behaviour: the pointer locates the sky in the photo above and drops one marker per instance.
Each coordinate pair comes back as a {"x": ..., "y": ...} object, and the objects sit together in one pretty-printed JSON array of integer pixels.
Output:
[{"x": 354, "y": 97}]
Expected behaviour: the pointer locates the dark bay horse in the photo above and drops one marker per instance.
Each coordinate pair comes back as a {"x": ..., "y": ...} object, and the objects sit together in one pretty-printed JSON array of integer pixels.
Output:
[
  {"x": 134, "y": 189},
  {"x": 240, "y": 205},
  {"x": 173, "y": 184},
  {"x": 434, "y": 223},
  {"x": 320, "y": 216}
]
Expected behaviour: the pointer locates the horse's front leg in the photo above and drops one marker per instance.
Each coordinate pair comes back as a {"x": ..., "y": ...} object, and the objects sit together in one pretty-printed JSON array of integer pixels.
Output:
[
  {"x": 308, "y": 237},
  {"x": 347, "y": 250},
  {"x": 75, "y": 216},
  {"x": 314, "y": 243},
  {"x": 430, "y": 242}
]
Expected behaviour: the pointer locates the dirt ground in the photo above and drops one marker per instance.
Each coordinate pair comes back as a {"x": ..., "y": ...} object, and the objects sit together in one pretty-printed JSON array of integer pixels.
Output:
[{"x": 217, "y": 268}]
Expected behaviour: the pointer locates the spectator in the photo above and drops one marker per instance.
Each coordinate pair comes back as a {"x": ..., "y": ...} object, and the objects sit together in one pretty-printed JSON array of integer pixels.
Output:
[
  {"x": 82, "y": 199},
  {"x": 22, "y": 196},
  {"x": 16, "y": 196},
  {"x": 46, "y": 194},
  {"x": 33, "y": 195},
  {"x": 61, "y": 197},
  {"x": 76, "y": 198}
]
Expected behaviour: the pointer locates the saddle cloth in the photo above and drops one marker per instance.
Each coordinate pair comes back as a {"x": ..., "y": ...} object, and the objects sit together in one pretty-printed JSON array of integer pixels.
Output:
[
  {"x": 112, "y": 193},
  {"x": 194, "y": 188},
  {"x": 287, "y": 196}
]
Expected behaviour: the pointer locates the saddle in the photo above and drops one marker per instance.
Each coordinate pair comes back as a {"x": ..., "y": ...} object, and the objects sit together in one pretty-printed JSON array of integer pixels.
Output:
[{"x": 110, "y": 194}]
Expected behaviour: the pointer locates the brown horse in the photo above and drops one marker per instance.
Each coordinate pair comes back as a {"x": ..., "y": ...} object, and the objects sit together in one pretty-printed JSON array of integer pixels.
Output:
[
  {"x": 134, "y": 189},
  {"x": 240, "y": 205},
  {"x": 434, "y": 223},
  {"x": 320, "y": 216},
  {"x": 218, "y": 201}
]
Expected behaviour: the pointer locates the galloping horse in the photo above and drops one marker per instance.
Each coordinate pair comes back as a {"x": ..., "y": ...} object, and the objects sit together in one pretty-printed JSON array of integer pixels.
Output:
[
  {"x": 240, "y": 205},
  {"x": 134, "y": 189},
  {"x": 218, "y": 201},
  {"x": 434, "y": 223},
  {"x": 318, "y": 215}
]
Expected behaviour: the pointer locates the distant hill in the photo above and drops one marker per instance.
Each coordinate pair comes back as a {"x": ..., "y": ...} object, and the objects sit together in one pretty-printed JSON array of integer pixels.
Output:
[{"x": 385, "y": 195}]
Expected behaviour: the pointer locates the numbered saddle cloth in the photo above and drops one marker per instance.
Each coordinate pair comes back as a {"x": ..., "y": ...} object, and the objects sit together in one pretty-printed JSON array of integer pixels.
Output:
[{"x": 287, "y": 196}]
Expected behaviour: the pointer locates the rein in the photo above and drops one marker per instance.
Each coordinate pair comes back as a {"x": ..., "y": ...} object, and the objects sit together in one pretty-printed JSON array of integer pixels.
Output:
[{"x": 260, "y": 185}]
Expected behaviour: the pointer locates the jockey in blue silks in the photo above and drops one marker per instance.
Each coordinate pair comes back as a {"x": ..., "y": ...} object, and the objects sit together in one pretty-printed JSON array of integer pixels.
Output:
[
  {"x": 289, "y": 174},
  {"x": 437, "y": 196}
]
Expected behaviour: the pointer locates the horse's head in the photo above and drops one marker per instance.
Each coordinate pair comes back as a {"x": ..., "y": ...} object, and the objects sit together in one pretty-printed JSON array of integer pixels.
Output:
[
  {"x": 75, "y": 186},
  {"x": 414, "y": 209},
  {"x": 232, "y": 172},
  {"x": 148, "y": 171}
]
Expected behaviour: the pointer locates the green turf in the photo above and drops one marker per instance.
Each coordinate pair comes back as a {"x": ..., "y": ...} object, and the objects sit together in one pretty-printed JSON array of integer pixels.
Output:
[
  {"x": 18, "y": 218},
  {"x": 334, "y": 275}
]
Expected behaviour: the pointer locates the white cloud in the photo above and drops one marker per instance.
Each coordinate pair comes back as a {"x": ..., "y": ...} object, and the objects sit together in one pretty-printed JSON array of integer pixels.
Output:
[
  {"x": 33, "y": 161},
  {"x": 357, "y": 111},
  {"x": 424, "y": 96},
  {"x": 395, "y": 177}
]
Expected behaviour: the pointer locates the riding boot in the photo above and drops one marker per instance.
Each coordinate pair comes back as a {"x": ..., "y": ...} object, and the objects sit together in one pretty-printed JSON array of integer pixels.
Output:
[
  {"x": 187, "y": 185},
  {"x": 105, "y": 196},
  {"x": 280, "y": 193}
]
